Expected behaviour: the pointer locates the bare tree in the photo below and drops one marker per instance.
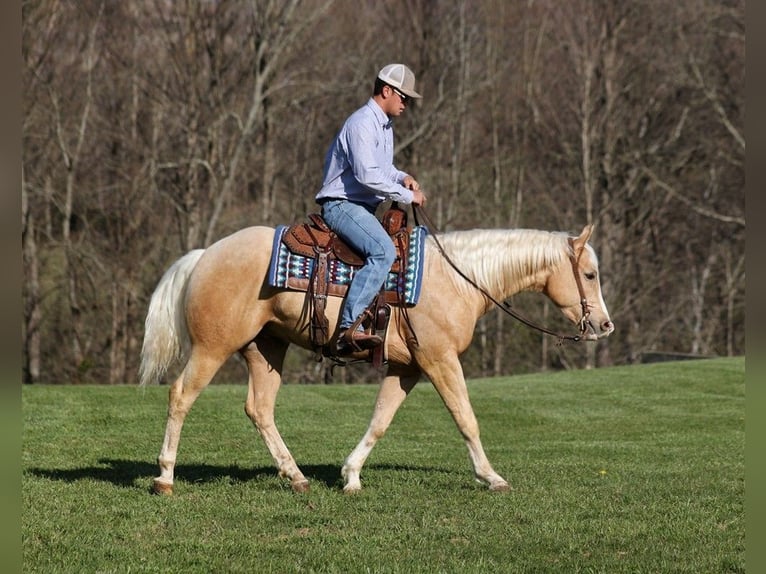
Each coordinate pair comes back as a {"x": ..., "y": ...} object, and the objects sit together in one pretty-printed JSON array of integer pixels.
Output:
[
  {"x": 70, "y": 139},
  {"x": 152, "y": 128},
  {"x": 32, "y": 311}
]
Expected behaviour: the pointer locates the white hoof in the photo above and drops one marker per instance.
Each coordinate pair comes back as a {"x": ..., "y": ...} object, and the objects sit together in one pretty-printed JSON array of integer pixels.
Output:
[
  {"x": 352, "y": 488},
  {"x": 500, "y": 486}
]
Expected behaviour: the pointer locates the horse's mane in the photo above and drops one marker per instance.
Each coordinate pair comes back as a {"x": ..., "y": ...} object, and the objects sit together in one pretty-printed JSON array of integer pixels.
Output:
[{"x": 498, "y": 259}]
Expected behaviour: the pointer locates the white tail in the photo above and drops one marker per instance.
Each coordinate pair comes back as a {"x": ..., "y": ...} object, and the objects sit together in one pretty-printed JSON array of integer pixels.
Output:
[{"x": 166, "y": 338}]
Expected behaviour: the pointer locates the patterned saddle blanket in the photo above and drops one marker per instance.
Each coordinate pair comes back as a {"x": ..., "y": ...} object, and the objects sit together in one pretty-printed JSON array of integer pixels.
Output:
[{"x": 291, "y": 270}]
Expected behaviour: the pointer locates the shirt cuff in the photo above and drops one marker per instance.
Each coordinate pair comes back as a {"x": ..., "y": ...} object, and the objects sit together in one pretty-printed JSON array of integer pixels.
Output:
[{"x": 407, "y": 195}]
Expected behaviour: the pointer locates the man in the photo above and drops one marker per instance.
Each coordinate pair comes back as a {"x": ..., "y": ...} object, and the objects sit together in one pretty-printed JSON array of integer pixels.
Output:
[{"x": 359, "y": 174}]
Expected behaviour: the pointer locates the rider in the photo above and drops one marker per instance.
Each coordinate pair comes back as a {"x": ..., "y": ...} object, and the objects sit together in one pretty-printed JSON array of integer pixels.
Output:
[{"x": 359, "y": 174}]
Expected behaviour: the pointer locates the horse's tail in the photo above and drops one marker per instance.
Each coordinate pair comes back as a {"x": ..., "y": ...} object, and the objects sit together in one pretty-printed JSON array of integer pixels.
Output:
[{"x": 166, "y": 338}]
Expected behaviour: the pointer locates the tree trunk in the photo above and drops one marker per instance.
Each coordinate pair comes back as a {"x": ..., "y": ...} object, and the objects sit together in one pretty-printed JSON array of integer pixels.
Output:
[
  {"x": 118, "y": 348},
  {"x": 32, "y": 310}
]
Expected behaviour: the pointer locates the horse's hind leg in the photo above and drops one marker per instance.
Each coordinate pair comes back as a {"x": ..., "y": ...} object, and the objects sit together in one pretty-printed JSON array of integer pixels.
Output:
[
  {"x": 197, "y": 373},
  {"x": 393, "y": 390},
  {"x": 265, "y": 357}
]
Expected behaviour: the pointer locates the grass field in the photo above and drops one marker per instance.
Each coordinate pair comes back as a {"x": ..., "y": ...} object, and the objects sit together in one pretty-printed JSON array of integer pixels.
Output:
[{"x": 627, "y": 469}]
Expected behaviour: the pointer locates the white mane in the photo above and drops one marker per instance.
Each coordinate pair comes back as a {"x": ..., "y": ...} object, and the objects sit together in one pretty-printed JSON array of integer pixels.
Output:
[{"x": 500, "y": 260}]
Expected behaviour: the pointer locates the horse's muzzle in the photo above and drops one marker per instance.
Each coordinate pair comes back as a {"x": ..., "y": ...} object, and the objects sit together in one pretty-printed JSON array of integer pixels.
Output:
[{"x": 596, "y": 332}]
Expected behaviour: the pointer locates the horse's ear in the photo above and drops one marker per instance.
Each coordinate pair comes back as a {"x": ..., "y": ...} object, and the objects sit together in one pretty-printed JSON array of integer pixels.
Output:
[{"x": 580, "y": 242}]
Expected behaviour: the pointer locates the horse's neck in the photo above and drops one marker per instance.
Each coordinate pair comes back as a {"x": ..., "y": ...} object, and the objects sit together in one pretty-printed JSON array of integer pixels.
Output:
[{"x": 504, "y": 262}]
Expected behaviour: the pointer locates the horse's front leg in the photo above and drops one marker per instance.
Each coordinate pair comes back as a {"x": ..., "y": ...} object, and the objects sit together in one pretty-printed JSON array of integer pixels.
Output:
[
  {"x": 393, "y": 390},
  {"x": 446, "y": 375}
]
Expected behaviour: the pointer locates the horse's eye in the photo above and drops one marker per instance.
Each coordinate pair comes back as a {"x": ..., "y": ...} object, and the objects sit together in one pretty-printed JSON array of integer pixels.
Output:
[{"x": 590, "y": 275}]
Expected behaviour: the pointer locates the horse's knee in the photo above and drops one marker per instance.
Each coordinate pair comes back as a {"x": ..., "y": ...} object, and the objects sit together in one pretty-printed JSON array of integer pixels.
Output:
[
  {"x": 253, "y": 411},
  {"x": 261, "y": 418}
]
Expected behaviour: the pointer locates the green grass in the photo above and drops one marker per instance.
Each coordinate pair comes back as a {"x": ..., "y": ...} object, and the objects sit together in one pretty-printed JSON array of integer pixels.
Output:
[{"x": 629, "y": 469}]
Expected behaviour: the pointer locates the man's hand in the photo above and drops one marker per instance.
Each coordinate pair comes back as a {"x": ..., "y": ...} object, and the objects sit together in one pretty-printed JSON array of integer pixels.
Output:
[
  {"x": 418, "y": 198},
  {"x": 411, "y": 183}
]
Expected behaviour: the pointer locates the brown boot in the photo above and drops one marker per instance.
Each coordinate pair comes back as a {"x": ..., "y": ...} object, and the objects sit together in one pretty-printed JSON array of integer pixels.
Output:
[{"x": 352, "y": 341}]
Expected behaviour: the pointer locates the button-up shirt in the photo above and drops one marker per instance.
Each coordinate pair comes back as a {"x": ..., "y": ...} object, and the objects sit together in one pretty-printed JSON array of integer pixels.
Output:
[{"x": 359, "y": 165}]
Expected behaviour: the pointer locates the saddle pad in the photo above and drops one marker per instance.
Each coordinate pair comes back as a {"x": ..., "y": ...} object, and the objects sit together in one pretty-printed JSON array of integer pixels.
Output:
[{"x": 289, "y": 270}]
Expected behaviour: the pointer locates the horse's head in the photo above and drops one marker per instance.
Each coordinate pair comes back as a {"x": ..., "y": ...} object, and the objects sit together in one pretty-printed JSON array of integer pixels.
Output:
[{"x": 575, "y": 287}]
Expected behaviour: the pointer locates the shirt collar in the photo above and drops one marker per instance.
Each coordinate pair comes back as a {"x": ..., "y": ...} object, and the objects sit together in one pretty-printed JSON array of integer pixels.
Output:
[{"x": 383, "y": 119}]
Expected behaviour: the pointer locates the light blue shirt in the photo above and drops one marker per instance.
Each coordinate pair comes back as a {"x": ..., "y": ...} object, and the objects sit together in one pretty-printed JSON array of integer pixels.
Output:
[{"x": 359, "y": 165}]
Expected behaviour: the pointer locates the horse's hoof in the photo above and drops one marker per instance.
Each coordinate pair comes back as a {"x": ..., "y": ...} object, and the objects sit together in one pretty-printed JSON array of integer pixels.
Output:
[
  {"x": 163, "y": 488},
  {"x": 500, "y": 487},
  {"x": 300, "y": 486},
  {"x": 353, "y": 487}
]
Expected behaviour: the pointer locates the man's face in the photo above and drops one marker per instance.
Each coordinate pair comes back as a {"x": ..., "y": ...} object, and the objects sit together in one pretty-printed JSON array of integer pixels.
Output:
[{"x": 396, "y": 101}]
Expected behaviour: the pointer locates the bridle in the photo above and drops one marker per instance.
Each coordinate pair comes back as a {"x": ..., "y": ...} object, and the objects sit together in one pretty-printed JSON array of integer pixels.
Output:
[
  {"x": 420, "y": 215},
  {"x": 585, "y": 320}
]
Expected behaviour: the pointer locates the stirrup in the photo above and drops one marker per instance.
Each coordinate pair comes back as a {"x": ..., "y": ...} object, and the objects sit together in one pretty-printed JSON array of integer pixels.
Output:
[{"x": 351, "y": 341}]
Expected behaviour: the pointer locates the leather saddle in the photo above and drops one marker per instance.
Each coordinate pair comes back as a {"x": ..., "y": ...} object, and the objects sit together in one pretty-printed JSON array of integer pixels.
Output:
[
  {"x": 316, "y": 240},
  {"x": 309, "y": 239}
]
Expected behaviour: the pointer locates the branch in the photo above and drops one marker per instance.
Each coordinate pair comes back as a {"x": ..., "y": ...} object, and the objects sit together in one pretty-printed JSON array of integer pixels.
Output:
[
  {"x": 270, "y": 52},
  {"x": 688, "y": 202},
  {"x": 712, "y": 97}
]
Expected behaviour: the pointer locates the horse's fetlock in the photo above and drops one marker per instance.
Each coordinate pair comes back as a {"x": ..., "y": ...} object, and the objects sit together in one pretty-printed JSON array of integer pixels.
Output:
[{"x": 166, "y": 461}]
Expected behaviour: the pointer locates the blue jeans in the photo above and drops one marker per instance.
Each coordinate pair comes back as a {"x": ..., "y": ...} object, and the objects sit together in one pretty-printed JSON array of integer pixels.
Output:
[{"x": 357, "y": 225}]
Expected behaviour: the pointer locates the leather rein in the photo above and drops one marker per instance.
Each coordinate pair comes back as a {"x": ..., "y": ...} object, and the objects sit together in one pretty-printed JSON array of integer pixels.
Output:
[{"x": 420, "y": 215}]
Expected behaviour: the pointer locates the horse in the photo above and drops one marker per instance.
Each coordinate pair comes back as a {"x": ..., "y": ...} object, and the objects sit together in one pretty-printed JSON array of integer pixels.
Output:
[{"x": 213, "y": 303}]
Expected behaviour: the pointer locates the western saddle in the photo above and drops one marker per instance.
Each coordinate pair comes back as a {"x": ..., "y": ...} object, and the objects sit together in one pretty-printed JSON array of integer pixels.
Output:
[{"x": 316, "y": 240}]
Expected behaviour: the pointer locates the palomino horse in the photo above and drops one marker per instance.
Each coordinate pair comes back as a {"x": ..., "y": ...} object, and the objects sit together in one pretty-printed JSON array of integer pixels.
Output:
[{"x": 213, "y": 303}]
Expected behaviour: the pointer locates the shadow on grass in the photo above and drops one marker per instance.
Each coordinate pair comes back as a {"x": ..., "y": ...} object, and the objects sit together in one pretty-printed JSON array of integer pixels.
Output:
[
  {"x": 132, "y": 473},
  {"x": 129, "y": 473}
]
